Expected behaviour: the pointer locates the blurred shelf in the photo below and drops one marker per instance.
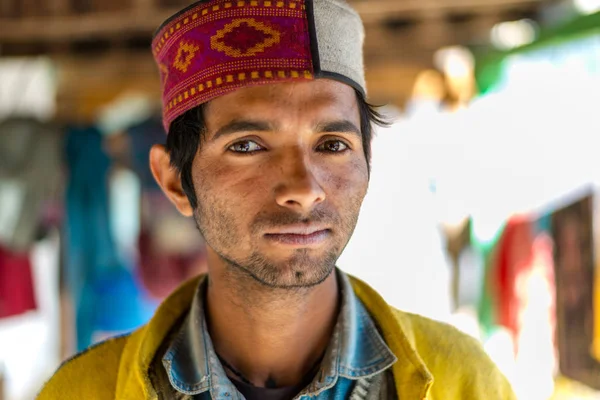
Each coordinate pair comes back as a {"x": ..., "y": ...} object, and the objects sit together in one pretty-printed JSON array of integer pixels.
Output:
[
  {"x": 91, "y": 25},
  {"x": 374, "y": 11},
  {"x": 142, "y": 17}
]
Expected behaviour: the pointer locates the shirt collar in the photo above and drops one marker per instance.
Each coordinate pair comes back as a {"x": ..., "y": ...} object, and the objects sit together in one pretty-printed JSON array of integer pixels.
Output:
[{"x": 356, "y": 350}]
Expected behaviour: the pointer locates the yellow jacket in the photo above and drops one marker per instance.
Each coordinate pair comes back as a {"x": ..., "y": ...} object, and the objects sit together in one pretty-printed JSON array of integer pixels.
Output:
[{"x": 435, "y": 361}]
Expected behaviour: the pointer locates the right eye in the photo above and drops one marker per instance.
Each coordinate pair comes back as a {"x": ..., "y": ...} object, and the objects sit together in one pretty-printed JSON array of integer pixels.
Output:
[{"x": 246, "y": 147}]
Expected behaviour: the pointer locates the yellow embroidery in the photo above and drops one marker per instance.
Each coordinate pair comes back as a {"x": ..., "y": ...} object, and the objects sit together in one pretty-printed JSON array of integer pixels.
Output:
[
  {"x": 229, "y": 78},
  {"x": 186, "y": 95},
  {"x": 216, "y": 42},
  {"x": 195, "y": 16},
  {"x": 205, "y": 11},
  {"x": 281, "y": 74},
  {"x": 255, "y": 75},
  {"x": 219, "y": 81},
  {"x": 292, "y": 5},
  {"x": 268, "y": 74},
  {"x": 163, "y": 68},
  {"x": 241, "y": 3},
  {"x": 193, "y": 91},
  {"x": 209, "y": 84},
  {"x": 185, "y": 21},
  {"x": 200, "y": 87},
  {"x": 254, "y": 3},
  {"x": 228, "y": 5},
  {"x": 215, "y": 8},
  {"x": 307, "y": 74},
  {"x": 280, "y": 4},
  {"x": 267, "y": 4},
  {"x": 242, "y": 76},
  {"x": 188, "y": 50},
  {"x": 295, "y": 74},
  {"x": 178, "y": 26}
]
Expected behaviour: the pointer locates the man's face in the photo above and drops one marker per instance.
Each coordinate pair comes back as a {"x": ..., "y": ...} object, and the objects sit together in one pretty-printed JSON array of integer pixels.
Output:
[{"x": 280, "y": 177}]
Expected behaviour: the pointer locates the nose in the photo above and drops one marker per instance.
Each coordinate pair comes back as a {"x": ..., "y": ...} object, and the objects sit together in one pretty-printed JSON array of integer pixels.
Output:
[{"x": 299, "y": 189}]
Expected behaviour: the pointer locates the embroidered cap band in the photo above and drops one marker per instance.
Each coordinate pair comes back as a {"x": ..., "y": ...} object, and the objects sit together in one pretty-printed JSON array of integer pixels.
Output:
[{"x": 215, "y": 47}]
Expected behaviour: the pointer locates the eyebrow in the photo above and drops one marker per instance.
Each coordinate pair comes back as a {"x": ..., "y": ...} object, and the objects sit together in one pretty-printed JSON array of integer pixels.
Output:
[
  {"x": 237, "y": 126},
  {"x": 342, "y": 126},
  {"x": 242, "y": 126}
]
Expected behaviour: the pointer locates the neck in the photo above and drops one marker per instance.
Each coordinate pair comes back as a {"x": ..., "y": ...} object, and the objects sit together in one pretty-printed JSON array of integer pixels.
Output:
[{"x": 269, "y": 335}]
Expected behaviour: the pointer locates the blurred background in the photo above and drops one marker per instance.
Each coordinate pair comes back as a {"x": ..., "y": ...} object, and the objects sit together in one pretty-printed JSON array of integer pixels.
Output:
[{"x": 482, "y": 210}]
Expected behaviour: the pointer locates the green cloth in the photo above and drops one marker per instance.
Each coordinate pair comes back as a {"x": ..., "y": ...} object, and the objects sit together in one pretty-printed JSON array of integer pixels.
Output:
[
  {"x": 490, "y": 64},
  {"x": 488, "y": 301}
]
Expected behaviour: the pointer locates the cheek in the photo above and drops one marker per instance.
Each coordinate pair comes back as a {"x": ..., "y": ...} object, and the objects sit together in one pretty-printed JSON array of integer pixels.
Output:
[
  {"x": 232, "y": 185},
  {"x": 348, "y": 182}
]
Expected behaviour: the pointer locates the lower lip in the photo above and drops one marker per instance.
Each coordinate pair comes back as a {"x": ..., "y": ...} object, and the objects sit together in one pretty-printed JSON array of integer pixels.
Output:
[{"x": 299, "y": 240}]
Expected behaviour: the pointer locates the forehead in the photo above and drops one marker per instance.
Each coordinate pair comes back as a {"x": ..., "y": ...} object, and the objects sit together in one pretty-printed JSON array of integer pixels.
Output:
[{"x": 316, "y": 99}]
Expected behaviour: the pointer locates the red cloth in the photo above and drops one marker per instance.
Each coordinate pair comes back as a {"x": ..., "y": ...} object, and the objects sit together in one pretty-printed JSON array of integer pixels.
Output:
[
  {"x": 17, "y": 294},
  {"x": 514, "y": 257},
  {"x": 162, "y": 273}
]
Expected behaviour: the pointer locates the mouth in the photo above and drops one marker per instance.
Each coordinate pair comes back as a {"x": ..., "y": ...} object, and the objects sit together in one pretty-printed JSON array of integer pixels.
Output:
[{"x": 299, "y": 235}]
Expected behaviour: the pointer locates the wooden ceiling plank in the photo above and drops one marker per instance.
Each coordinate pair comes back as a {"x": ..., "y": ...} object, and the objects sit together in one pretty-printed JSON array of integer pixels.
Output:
[
  {"x": 81, "y": 26},
  {"x": 145, "y": 17},
  {"x": 375, "y": 11}
]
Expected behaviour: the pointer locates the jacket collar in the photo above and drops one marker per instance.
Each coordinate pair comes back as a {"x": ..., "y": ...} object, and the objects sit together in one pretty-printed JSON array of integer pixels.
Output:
[
  {"x": 411, "y": 377},
  {"x": 356, "y": 350}
]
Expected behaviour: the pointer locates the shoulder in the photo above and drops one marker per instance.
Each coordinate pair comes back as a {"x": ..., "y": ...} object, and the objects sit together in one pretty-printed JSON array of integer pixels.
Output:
[
  {"x": 456, "y": 360},
  {"x": 91, "y": 374},
  {"x": 426, "y": 333}
]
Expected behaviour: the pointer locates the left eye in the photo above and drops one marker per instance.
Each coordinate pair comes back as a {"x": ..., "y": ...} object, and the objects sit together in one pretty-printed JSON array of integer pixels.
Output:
[
  {"x": 247, "y": 146},
  {"x": 333, "y": 146}
]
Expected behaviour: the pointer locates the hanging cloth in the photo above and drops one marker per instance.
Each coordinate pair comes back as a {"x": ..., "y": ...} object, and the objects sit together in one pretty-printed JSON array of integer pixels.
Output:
[
  {"x": 30, "y": 175},
  {"x": 17, "y": 294}
]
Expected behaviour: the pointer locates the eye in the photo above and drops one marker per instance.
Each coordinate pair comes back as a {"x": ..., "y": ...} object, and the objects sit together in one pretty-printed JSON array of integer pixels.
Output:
[
  {"x": 245, "y": 146},
  {"x": 333, "y": 146}
]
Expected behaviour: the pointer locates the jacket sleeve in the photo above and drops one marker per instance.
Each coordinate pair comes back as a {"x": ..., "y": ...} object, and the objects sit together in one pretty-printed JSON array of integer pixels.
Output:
[
  {"x": 91, "y": 374},
  {"x": 460, "y": 367}
]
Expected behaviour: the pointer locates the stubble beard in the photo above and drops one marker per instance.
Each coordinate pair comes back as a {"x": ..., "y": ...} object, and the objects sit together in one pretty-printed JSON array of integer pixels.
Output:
[{"x": 302, "y": 270}]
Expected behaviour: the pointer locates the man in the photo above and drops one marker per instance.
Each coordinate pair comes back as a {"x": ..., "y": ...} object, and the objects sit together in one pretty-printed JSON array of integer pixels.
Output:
[{"x": 268, "y": 150}]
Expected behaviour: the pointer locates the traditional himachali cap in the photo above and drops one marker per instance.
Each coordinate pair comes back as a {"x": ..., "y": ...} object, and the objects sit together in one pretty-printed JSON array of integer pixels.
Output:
[{"x": 214, "y": 47}]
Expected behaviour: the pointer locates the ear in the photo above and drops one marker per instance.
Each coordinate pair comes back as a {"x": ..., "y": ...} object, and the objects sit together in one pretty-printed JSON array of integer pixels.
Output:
[{"x": 169, "y": 179}]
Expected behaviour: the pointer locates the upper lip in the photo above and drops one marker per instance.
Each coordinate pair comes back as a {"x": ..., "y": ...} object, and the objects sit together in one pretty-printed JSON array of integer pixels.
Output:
[{"x": 297, "y": 229}]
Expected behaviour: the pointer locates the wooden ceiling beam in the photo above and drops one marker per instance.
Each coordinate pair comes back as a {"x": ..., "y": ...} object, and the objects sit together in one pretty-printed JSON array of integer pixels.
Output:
[
  {"x": 427, "y": 37},
  {"x": 93, "y": 25},
  {"x": 376, "y": 11},
  {"x": 145, "y": 17}
]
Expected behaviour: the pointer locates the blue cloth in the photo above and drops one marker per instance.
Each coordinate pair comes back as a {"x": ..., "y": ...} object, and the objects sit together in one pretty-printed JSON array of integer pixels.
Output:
[
  {"x": 356, "y": 350},
  {"x": 95, "y": 275},
  {"x": 142, "y": 137}
]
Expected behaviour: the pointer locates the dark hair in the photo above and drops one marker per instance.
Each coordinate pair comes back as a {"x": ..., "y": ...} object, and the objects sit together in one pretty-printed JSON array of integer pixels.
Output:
[{"x": 187, "y": 133}]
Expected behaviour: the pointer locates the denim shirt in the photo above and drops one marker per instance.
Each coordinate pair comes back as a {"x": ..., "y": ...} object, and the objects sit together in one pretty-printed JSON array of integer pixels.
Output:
[{"x": 354, "y": 363}]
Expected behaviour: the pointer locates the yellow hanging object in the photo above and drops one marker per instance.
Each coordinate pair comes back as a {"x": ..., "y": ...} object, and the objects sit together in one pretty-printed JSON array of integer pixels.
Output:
[{"x": 596, "y": 344}]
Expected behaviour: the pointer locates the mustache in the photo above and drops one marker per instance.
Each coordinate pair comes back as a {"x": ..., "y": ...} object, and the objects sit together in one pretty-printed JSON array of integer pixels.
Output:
[{"x": 266, "y": 220}]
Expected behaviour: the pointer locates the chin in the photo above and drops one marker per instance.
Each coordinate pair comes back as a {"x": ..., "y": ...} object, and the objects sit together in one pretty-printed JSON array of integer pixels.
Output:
[{"x": 298, "y": 271}]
